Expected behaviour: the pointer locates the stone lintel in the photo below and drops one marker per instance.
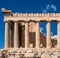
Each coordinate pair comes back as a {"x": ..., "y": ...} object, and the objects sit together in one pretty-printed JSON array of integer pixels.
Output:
[{"x": 43, "y": 19}]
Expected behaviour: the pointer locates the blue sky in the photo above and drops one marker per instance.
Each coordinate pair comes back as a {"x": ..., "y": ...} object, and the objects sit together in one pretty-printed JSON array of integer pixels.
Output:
[{"x": 29, "y": 6}]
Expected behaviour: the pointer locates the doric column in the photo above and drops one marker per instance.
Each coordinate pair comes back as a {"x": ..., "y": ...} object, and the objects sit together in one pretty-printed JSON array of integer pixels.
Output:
[
  {"x": 26, "y": 35},
  {"x": 37, "y": 35},
  {"x": 6, "y": 35},
  {"x": 48, "y": 40},
  {"x": 16, "y": 39},
  {"x": 58, "y": 35},
  {"x": 11, "y": 39}
]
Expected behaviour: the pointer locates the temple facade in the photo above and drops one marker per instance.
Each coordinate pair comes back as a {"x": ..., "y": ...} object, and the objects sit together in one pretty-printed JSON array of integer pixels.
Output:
[
  {"x": 23, "y": 38},
  {"x": 20, "y": 26}
]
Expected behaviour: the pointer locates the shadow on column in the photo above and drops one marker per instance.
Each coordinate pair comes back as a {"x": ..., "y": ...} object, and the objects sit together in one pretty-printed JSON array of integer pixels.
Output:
[
  {"x": 21, "y": 35},
  {"x": 11, "y": 42}
]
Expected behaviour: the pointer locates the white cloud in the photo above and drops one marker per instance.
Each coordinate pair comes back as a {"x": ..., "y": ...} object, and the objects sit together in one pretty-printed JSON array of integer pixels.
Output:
[
  {"x": 49, "y": 7},
  {"x": 54, "y": 37},
  {"x": 44, "y": 11},
  {"x": 51, "y": 33},
  {"x": 41, "y": 29},
  {"x": 53, "y": 7}
]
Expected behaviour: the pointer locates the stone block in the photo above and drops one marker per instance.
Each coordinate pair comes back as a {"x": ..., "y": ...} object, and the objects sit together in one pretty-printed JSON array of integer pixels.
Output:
[
  {"x": 31, "y": 45},
  {"x": 29, "y": 55},
  {"x": 45, "y": 56},
  {"x": 23, "y": 52},
  {"x": 29, "y": 51},
  {"x": 54, "y": 56},
  {"x": 56, "y": 53}
]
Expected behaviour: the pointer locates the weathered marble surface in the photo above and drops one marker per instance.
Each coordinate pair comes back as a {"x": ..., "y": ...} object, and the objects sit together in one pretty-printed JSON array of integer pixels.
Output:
[{"x": 30, "y": 53}]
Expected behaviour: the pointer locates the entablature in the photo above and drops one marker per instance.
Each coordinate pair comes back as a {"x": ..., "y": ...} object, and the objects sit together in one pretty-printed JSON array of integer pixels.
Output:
[
  {"x": 31, "y": 18},
  {"x": 9, "y": 16}
]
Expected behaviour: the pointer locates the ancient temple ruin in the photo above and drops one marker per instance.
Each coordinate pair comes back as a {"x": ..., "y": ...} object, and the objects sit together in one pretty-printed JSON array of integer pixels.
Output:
[
  {"x": 22, "y": 30},
  {"x": 19, "y": 27}
]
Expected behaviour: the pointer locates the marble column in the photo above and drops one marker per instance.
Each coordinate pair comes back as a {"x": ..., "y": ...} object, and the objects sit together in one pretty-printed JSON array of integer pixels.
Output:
[
  {"x": 26, "y": 35},
  {"x": 16, "y": 38},
  {"x": 58, "y": 35},
  {"x": 48, "y": 40},
  {"x": 11, "y": 39},
  {"x": 6, "y": 35},
  {"x": 37, "y": 35}
]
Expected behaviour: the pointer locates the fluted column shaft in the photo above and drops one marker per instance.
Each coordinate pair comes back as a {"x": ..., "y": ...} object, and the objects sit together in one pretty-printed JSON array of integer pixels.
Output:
[
  {"x": 48, "y": 40},
  {"x": 16, "y": 39},
  {"x": 37, "y": 35},
  {"x": 11, "y": 39},
  {"x": 58, "y": 32},
  {"x": 26, "y": 35},
  {"x": 6, "y": 35}
]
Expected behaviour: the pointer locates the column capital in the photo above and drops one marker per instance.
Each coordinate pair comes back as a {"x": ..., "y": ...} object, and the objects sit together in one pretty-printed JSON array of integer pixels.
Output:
[
  {"x": 7, "y": 21},
  {"x": 37, "y": 20},
  {"x": 58, "y": 20},
  {"x": 48, "y": 21}
]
